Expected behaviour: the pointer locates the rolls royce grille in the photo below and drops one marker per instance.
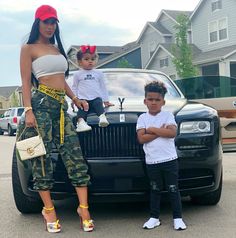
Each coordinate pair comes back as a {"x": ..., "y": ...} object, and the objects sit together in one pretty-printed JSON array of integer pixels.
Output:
[{"x": 116, "y": 140}]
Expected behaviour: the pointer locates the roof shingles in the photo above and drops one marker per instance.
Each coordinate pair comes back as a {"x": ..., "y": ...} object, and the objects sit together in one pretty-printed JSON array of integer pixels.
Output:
[{"x": 7, "y": 91}]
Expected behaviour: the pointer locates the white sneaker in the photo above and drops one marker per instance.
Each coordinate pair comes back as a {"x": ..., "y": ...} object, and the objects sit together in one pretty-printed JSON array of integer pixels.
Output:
[
  {"x": 83, "y": 126},
  {"x": 179, "y": 224},
  {"x": 103, "y": 121},
  {"x": 151, "y": 223}
]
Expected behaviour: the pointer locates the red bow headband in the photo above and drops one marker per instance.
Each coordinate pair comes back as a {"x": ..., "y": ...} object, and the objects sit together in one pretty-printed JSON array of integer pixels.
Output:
[{"x": 88, "y": 49}]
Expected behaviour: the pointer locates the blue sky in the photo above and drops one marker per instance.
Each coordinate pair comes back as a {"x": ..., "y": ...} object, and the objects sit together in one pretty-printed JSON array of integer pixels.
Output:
[{"x": 98, "y": 22}]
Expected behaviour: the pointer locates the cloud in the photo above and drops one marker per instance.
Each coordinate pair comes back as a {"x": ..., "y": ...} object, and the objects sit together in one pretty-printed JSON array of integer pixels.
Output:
[
  {"x": 103, "y": 22},
  {"x": 85, "y": 32},
  {"x": 13, "y": 27}
]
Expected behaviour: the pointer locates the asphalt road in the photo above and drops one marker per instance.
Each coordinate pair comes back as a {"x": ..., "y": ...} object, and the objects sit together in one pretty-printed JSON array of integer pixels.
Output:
[{"x": 119, "y": 220}]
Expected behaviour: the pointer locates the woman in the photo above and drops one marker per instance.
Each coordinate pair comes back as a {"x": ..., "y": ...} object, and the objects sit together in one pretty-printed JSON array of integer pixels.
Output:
[{"x": 45, "y": 65}]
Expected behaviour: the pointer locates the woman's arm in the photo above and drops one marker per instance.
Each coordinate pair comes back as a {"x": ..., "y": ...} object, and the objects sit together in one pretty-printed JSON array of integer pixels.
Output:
[
  {"x": 25, "y": 70},
  {"x": 82, "y": 104}
]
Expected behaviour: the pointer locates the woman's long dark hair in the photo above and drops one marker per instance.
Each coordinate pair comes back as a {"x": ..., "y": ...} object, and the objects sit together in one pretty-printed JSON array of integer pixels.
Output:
[{"x": 33, "y": 37}]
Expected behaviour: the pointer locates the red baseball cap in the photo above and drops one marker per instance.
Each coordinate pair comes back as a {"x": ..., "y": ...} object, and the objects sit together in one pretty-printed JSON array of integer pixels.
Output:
[{"x": 45, "y": 11}]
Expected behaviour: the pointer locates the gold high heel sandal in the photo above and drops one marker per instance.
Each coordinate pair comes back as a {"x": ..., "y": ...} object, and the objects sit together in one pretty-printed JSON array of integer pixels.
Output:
[
  {"x": 52, "y": 227},
  {"x": 86, "y": 225}
]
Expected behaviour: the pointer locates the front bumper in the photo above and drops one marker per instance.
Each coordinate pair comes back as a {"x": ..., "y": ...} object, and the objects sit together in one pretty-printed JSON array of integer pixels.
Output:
[{"x": 121, "y": 179}]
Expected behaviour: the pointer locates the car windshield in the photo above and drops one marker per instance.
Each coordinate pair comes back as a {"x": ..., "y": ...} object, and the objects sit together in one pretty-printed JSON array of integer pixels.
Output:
[{"x": 132, "y": 83}]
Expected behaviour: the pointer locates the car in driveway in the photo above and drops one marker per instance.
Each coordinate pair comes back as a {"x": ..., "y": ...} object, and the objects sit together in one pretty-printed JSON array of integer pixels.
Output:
[
  {"x": 10, "y": 120},
  {"x": 115, "y": 158}
]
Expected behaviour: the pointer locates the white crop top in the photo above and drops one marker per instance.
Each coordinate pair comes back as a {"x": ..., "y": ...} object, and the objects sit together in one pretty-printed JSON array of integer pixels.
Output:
[{"x": 49, "y": 65}]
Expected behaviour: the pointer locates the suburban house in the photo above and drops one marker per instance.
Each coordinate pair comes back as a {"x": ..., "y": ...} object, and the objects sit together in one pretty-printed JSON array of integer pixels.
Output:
[
  {"x": 109, "y": 56},
  {"x": 212, "y": 37},
  {"x": 10, "y": 96},
  {"x": 157, "y": 39},
  {"x": 103, "y": 52}
]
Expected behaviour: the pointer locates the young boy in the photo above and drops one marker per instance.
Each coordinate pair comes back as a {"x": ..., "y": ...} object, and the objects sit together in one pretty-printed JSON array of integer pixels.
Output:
[
  {"x": 88, "y": 84},
  {"x": 156, "y": 130}
]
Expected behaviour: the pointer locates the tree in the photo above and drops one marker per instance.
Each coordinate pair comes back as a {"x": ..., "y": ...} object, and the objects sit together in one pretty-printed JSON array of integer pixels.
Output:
[
  {"x": 124, "y": 63},
  {"x": 14, "y": 100},
  {"x": 182, "y": 51}
]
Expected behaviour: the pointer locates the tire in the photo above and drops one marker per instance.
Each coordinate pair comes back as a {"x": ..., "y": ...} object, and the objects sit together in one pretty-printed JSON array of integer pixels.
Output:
[
  {"x": 211, "y": 198},
  {"x": 23, "y": 203},
  {"x": 10, "y": 131},
  {"x": 1, "y": 132}
]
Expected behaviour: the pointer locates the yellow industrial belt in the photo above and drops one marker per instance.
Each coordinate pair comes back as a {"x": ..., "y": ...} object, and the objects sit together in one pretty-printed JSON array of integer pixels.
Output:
[{"x": 59, "y": 95}]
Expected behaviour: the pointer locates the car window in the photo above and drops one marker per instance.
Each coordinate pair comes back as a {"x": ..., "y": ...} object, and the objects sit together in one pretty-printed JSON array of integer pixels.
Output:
[
  {"x": 20, "y": 111},
  {"x": 132, "y": 83},
  {"x": 12, "y": 112},
  {"x": 207, "y": 87}
]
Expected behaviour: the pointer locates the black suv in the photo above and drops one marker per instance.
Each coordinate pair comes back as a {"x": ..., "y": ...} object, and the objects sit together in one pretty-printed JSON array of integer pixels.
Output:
[{"x": 116, "y": 159}]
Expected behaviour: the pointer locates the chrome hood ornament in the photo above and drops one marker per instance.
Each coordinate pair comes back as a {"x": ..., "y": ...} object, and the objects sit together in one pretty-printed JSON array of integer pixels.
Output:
[{"x": 121, "y": 100}]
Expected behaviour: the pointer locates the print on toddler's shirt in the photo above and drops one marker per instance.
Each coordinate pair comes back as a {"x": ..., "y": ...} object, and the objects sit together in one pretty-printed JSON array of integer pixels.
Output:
[{"x": 89, "y": 77}]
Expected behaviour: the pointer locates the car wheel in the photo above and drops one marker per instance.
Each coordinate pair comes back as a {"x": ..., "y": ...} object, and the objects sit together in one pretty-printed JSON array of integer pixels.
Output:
[
  {"x": 211, "y": 198},
  {"x": 1, "y": 131},
  {"x": 23, "y": 203},
  {"x": 10, "y": 131}
]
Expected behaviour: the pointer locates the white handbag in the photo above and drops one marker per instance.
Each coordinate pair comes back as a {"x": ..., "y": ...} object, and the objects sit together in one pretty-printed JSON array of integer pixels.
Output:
[{"x": 31, "y": 147}]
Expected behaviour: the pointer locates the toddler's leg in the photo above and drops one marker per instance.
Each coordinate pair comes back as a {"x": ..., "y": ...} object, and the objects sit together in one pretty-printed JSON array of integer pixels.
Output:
[{"x": 81, "y": 121}]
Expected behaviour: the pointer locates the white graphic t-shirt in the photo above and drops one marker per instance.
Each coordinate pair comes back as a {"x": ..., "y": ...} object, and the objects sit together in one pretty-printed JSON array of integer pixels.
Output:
[
  {"x": 89, "y": 84},
  {"x": 161, "y": 149}
]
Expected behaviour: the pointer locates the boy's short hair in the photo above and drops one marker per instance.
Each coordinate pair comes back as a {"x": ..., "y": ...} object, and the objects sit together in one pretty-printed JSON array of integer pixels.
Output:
[{"x": 155, "y": 87}]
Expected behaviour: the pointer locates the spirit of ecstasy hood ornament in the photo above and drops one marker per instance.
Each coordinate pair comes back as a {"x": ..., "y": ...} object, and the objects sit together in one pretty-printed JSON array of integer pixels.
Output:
[{"x": 121, "y": 100}]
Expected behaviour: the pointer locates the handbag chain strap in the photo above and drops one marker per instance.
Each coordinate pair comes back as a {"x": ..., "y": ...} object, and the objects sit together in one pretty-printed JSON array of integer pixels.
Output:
[{"x": 36, "y": 128}]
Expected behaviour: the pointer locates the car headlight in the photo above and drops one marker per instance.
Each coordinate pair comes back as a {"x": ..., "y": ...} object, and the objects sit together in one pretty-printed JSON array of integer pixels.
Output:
[{"x": 195, "y": 127}]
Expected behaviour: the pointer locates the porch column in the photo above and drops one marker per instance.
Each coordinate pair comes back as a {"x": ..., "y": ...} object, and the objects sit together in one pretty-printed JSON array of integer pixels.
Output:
[
  {"x": 224, "y": 71},
  {"x": 224, "y": 68}
]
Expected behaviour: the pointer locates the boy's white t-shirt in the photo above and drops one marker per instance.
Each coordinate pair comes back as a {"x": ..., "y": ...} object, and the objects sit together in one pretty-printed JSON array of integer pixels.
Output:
[
  {"x": 161, "y": 149},
  {"x": 89, "y": 84}
]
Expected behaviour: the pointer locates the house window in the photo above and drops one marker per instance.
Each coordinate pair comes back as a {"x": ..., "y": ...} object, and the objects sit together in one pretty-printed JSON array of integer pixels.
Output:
[
  {"x": 74, "y": 57},
  {"x": 213, "y": 31},
  {"x": 216, "y": 5},
  {"x": 222, "y": 29},
  {"x": 218, "y": 30},
  {"x": 164, "y": 62},
  {"x": 1, "y": 105}
]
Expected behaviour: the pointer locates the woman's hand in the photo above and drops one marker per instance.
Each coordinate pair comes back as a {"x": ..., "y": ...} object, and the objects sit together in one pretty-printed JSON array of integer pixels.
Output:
[
  {"x": 81, "y": 104},
  {"x": 30, "y": 120}
]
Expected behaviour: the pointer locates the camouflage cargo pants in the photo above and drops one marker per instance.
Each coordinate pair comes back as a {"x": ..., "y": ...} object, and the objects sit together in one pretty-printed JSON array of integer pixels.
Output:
[{"x": 47, "y": 112}]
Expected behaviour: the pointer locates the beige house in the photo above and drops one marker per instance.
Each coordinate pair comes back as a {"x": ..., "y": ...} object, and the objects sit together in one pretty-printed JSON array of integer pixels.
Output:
[{"x": 10, "y": 96}]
